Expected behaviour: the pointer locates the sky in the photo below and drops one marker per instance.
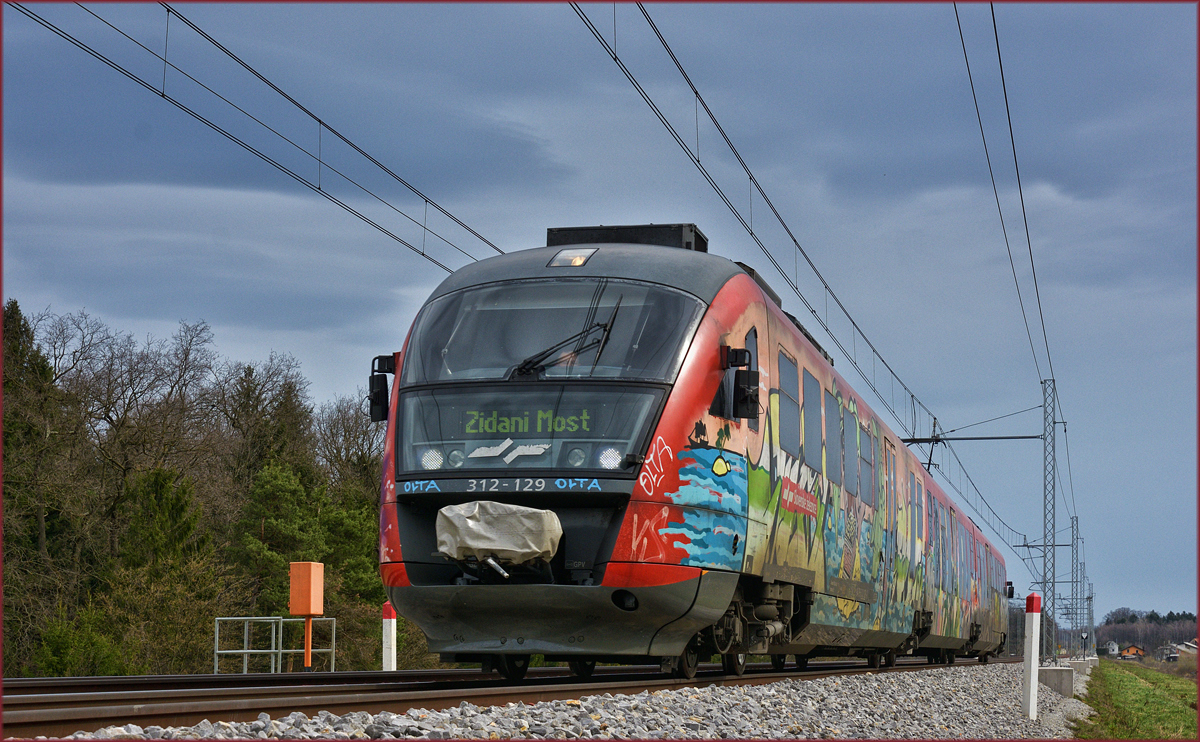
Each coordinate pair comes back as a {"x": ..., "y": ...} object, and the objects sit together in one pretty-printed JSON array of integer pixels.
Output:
[{"x": 857, "y": 121}]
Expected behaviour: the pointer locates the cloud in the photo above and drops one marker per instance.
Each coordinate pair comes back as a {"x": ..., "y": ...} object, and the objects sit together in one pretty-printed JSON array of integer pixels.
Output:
[{"x": 247, "y": 259}]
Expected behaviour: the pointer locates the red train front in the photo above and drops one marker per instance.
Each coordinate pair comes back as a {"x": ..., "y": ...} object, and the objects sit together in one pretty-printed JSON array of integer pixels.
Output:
[{"x": 584, "y": 462}]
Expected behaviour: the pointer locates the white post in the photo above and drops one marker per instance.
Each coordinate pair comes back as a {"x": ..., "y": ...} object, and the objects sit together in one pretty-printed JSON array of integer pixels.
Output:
[
  {"x": 389, "y": 637},
  {"x": 1033, "y": 627}
]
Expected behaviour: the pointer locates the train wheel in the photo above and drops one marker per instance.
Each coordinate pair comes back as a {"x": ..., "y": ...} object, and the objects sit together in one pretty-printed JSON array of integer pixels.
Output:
[
  {"x": 948, "y": 658},
  {"x": 582, "y": 668},
  {"x": 983, "y": 658},
  {"x": 889, "y": 659},
  {"x": 734, "y": 664},
  {"x": 872, "y": 660},
  {"x": 801, "y": 663},
  {"x": 779, "y": 661},
  {"x": 931, "y": 659},
  {"x": 688, "y": 662},
  {"x": 512, "y": 666}
]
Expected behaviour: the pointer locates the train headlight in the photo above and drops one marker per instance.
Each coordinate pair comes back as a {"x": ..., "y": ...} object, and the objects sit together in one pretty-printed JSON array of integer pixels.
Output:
[
  {"x": 576, "y": 457},
  {"x": 609, "y": 458},
  {"x": 431, "y": 458},
  {"x": 455, "y": 458}
]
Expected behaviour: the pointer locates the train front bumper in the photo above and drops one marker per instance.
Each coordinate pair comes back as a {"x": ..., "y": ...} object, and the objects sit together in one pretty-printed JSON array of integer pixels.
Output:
[{"x": 565, "y": 619}]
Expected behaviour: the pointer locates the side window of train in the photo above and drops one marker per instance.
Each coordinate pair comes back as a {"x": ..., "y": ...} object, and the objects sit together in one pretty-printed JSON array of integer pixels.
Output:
[
  {"x": 944, "y": 545},
  {"x": 930, "y": 529},
  {"x": 789, "y": 405},
  {"x": 833, "y": 438},
  {"x": 912, "y": 512},
  {"x": 850, "y": 428},
  {"x": 812, "y": 422},
  {"x": 752, "y": 346},
  {"x": 866, "y": 486},
  {"x": 919, "y": 498}
]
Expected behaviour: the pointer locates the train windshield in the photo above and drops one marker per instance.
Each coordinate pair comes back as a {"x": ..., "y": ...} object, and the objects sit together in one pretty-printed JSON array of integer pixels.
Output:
[
  {"x": 499, "y": 427},
  {"x": 545, "y": 330}
]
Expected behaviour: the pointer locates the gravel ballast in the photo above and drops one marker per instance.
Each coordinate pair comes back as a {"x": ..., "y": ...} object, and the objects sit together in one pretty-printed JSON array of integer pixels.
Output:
[{"x": 978, "y": 702}]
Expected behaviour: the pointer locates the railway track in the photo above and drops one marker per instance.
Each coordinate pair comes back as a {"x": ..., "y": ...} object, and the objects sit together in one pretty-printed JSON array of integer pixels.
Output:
[{"x": 56, "y": 707}]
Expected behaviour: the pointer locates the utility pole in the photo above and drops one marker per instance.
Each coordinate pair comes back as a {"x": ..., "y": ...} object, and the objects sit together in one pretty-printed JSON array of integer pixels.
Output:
[
  {"x": 1048, "y": 546},
  {"x": 1076, "y": 576},
  {"x": 1091, "y": 617}
]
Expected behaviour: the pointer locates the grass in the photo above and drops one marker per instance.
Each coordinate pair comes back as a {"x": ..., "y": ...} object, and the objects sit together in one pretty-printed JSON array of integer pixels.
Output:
[
  {"x": 1184, "y": 668},
  {"x": 1135, "y": 702}
]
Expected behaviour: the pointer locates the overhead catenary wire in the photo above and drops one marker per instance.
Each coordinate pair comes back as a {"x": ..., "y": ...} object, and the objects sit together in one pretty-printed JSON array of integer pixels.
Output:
[
  {"x": 290, "y": 172},
  {"x": 977, "y": 501},
  {"x": 1020, "y": 192},
  {"x": 330, "y": 129},
  {"x": 296, "y": 145},
  {"x": 993, "y": 419},
  {"x": 996, "y": 192}
]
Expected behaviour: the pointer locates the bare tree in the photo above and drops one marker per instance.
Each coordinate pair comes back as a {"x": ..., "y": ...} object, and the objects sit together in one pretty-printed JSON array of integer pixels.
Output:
[{"x": 350, "y": 447}]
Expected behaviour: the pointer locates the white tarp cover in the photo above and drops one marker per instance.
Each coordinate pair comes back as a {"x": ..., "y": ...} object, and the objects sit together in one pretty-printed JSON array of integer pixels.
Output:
[{"x": 507, "y": 533}]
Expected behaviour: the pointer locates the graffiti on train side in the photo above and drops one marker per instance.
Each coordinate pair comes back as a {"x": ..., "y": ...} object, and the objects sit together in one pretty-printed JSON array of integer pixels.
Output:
[
  {"x": 647, "y": 542},
  {"x": 655, "y": 468}
]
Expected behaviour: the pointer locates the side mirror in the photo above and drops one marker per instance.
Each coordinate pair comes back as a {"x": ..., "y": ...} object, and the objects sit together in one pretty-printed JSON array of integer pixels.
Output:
[
  {"x": 377, "y": 386},
  {"x": 1009, "y": 588},
  {"x": 734, "y": 357},
  {"x": 378, "y": 394},
  {"x": 745, "y": 394}
]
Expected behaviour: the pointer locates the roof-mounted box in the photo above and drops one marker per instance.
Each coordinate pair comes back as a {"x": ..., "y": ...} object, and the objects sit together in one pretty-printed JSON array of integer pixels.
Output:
[{"x": 685, "y": 236}]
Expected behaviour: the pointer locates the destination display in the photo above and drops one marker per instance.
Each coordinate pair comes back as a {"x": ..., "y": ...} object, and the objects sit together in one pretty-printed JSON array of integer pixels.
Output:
[
  {"x": 523, "y": 426},
  {"x": 488, "y": 423}
]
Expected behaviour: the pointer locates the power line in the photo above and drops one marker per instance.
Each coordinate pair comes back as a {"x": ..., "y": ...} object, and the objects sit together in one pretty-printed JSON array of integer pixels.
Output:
[
  {"x": 316, "y": 188},
  {"x": 1020, "y": 192},
  {"x": 994, "y": 419},
  {"x": 330, "y": 129},
  {"x": 977, "y": 501},
  {"x": 247, "y": 114},
  {"x": 996, "y": 192}
]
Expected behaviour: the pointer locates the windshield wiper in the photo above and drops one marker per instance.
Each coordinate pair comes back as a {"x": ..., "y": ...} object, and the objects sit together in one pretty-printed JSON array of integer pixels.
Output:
[
  {"x": 612, "y": 319},
  {"x": 533, "y": 363}
]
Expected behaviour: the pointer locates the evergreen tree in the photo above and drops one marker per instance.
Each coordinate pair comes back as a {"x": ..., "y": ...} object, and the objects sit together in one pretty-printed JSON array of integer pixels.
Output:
[
  {"x": 164, "y": 522},
  {"x": 280, "y": 524}
]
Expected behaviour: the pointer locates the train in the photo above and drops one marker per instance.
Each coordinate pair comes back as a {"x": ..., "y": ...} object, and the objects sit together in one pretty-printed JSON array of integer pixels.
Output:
[{"x": 618, "y": 447}]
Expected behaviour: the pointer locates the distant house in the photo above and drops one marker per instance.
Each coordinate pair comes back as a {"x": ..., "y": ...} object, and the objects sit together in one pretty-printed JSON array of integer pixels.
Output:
[
  {"x": 1111, "y": 649},
  {"x": 1133, "y": 652},
  {"x": 1167, "y": 653},
  {"x": 1187, "y": 648}
]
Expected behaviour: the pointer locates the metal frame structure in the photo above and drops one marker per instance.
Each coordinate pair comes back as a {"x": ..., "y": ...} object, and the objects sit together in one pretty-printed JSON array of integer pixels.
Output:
[{"x": 276, "y": 651}]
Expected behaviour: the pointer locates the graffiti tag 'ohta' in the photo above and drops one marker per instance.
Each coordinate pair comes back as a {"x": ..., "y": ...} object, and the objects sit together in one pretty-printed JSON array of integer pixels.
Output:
[{"x": 656, "y": 466}]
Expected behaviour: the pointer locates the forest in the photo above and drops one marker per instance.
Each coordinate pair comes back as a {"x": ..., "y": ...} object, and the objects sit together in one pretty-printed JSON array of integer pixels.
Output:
[
  {"x": 151, "y": 486},
  {"x": 1147, "y": 629}
]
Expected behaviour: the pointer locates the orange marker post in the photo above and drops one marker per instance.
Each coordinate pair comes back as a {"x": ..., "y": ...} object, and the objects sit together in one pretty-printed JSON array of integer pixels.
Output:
[{"x": 307, "y": 599}]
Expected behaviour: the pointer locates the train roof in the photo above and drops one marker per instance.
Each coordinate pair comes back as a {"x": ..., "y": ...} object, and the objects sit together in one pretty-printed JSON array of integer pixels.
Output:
[{"x": 697, "y": 273}]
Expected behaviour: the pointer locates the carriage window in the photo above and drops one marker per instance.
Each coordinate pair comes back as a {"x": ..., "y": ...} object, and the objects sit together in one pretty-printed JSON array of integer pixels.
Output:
[
  {"x": 789, "y": 405},
  {"x": 931, "y": 516},
  {"x": 812, "y": 422},
  {"x": 912, "y": 493},
  {"x": 850, "y": 426},
  {"x": 920, "y": 499},
  {"x": 752, "y": 346},
  {"x": 866, "y": 489},
  {"x": 833, "y": 439}
]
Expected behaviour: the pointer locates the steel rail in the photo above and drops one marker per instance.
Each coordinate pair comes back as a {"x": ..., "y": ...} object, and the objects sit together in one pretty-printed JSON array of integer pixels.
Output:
[{"x": 57, "y": 707}]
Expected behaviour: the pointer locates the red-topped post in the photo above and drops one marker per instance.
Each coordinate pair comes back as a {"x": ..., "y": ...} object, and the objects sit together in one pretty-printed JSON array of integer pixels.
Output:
[{"x": 1033, "y": 630}]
